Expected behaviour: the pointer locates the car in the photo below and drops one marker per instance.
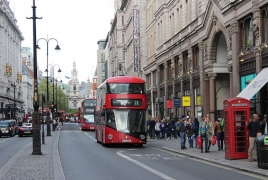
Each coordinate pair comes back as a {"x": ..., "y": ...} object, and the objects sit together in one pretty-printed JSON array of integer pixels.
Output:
[
  {"x": 13, "y": 124},
  {"x": 25, "y": 129},
  {"x": 6, "y": 129}
]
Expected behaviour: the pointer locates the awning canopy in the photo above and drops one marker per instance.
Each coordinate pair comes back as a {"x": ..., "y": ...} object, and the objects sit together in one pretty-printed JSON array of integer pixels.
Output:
[{"x": 255, "y": 85}]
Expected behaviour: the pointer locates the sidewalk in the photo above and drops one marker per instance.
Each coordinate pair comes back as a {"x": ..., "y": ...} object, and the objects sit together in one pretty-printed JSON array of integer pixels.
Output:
[
  {"x": 214, "y": 156},
  {"x": 25, "y": 166}
]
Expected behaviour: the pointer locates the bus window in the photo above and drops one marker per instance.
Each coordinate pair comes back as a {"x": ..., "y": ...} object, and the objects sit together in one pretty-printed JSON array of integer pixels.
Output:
[{"x": 111, "y": 119}]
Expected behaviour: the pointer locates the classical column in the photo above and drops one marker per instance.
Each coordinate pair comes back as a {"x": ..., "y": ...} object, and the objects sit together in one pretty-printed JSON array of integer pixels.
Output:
[
  {"x": 158, "y": 91},
  {"x": 181, "y": 80},
  {"x": 152, "y": 94},
  {"x": 234, "y": 44},
  {"x": 201, "y": 71},
  {"x": 173, "y": 84},
  {"x": 166, "y": 89},
  {"x": 212, "y": 96},
  {"x": 257, "y": 49},
  {"x": 192, "y": 95}
]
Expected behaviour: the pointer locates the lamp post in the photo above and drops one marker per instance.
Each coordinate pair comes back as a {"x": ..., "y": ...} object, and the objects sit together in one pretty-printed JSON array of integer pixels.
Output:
[
  {"x": 53, "y": 87},
  {"x": 56, "y": 105},
  {"x": 19, "y": 79},
  {"x": 36, "y": 115},
  {"x": 57, "y": 48}
]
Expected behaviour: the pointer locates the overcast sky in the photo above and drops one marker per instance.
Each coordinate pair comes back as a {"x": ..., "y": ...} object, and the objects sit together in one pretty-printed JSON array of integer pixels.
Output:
[{"x": 76, "y": 24}]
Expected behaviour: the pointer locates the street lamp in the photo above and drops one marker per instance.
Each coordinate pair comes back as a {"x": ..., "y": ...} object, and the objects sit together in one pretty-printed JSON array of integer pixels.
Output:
[
  {"x": 57, "y": 48},
  {"x": 53, "y": 87},
  {"x": 36, "y": 115},
  {"x": 56, "y": 94},
  {"x": 19, "y": 79}
]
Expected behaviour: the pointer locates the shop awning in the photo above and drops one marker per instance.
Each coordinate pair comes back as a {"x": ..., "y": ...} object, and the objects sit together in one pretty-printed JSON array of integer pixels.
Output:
[{"x": 255, "y": 85}]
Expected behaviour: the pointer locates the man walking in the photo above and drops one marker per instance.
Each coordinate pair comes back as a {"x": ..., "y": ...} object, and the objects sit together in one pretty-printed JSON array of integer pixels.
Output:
[
  {"x": 183, "y": 131},
  {"x": 254, "y": 128}
]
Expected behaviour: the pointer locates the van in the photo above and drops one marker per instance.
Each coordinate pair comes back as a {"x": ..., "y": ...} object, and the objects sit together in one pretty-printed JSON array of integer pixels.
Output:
[{"x": 7, "y": 128}]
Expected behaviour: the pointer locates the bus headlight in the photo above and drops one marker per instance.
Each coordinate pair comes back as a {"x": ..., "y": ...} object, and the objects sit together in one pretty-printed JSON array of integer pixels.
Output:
[
  {"x": 142, "y": 136},
  {"x": 110, "y": 136}
]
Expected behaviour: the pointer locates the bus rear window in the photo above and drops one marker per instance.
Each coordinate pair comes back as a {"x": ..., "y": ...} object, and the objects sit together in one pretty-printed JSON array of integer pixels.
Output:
[
  {"x": 126, "y": 102},
  {"x": 125, "y": 88}
]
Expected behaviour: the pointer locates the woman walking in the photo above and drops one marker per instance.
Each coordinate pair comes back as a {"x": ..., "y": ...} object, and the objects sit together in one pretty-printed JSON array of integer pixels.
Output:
[{"x": 203, "y": 133}]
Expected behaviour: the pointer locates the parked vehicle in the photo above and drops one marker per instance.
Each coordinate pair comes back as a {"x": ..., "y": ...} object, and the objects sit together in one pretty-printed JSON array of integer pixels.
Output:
[
  {"x": 6, "y": 129},
  {"x": 14, "y": 124},
  {"x": 25, "y": 129}
]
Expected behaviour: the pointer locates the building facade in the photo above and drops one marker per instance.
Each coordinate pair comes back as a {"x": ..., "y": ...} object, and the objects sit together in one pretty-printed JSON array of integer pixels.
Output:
[
  {"x": 10, "y": 60},
  {"x": 204, "y": 49}
]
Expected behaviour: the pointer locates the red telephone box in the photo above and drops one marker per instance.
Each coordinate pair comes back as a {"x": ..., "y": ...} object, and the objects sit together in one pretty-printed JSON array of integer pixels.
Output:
[{"x": 236, "y": 115}]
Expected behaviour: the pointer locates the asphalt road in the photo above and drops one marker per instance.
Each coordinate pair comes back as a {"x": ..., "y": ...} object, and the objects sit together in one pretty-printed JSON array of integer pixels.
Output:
[
  {"x": 10, "y": 146},
  {"x": 83, "y": 158}
]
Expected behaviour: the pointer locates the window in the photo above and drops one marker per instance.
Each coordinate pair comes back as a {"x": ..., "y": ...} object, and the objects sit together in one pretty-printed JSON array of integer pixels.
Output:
[
  {"x": 264, "y": 28},
  {"x": 195, "y": 60},
  {"x": 249, "y": 32},
  {"x": 102, "y": 57},
  {"x": 103, "y": 68},
  {"x": 74, "y": 87},
  {"x": 186, "y": 63}
]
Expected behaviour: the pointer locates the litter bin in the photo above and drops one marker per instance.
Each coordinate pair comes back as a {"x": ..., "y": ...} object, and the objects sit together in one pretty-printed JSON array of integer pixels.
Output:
[{"x": 262, "y": 151}]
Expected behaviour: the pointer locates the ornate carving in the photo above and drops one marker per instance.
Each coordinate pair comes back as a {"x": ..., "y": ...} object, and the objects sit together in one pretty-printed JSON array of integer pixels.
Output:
[
  {"x": 214, "y": 20},
  {"x": 256, "y": 25},
  {"x": 229, "y": 40},
  {"x": 230, "y": 68},
  {"x": 234, "y": 28},
  {"x": 212, "y": 75}
]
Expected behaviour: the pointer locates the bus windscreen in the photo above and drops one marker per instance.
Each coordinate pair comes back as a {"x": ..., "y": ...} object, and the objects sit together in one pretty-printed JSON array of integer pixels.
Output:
[{"x": 90, "y": 102}]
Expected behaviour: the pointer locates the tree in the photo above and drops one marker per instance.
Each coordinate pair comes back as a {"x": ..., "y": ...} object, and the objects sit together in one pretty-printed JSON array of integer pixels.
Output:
[{"x": 62, "y": 97}]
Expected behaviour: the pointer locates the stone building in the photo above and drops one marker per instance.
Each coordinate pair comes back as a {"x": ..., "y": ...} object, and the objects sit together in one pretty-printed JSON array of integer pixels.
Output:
[
  {"x": 10, "y": 60},
  {"x": 127, "y": 41},
  {"x": 197, "y": 52},
  {"x": 203, "y": 52}
]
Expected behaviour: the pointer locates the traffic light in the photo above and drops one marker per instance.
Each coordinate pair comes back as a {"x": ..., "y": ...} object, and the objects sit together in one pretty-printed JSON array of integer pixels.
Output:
[{"x": 52, "y": 107}]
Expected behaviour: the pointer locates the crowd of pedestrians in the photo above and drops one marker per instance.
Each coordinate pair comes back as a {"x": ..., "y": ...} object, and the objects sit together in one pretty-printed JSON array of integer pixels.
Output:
[{"x": 189, "y": 129}]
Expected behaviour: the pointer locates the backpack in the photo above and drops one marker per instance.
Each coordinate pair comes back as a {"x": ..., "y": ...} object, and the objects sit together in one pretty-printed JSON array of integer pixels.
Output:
[{"x": 178, "y": 127}]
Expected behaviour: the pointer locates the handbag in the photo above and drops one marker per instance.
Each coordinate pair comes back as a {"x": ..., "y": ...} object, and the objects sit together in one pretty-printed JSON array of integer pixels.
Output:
[
  {"x": 199, "y": 141},
  {"x": 214, "y": 140}
]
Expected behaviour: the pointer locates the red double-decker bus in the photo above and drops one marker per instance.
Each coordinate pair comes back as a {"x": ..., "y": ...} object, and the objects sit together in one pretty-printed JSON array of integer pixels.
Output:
[
  {"x": 120, "y": 111},
  {"x": 88, "y": 114}
]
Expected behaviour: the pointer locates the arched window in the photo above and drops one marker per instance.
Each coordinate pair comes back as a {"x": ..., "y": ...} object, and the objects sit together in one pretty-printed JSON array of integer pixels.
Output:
[{"x": 249, "y": 34}]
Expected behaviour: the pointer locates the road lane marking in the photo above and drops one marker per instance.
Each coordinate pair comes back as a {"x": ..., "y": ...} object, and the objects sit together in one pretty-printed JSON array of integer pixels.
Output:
[
  {"x": 12, "y": 161},
  {"x": 91, "y": 137},
  {"x": 164, "y": 176}
]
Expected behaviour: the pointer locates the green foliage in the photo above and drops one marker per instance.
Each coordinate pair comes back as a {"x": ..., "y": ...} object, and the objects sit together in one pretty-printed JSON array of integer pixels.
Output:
[{"x": 60, "y": 97}]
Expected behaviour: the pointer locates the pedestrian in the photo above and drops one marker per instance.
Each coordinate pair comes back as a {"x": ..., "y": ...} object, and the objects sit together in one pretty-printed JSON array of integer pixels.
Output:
[
  {"x": 157, "y": 129},
  {"x": 174, "y": 128},
  {"x": 183, "y": 131},
  {"x": 152, "y": 128},
  {"x": 177, "y": 133},
  {"x": 222, "y": 127},
  {"x": 203, "y": 133},
  {"x": 190, "y": 132},
  {"x": 168, "y": 128},
  {"x": 162, "y": 127},
  {"x": 218, "y": 130},
  {"x": 264, "y": 125},
  {"x": 254, "y": 128},
  {"x": 196, "y": 130},
  {"x": 54, "y": 124},
  {"x": 210, "y": 132}
]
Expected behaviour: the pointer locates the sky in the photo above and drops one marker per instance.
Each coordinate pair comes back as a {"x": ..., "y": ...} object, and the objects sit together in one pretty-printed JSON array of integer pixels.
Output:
[{"x": 77, "y": 25}]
